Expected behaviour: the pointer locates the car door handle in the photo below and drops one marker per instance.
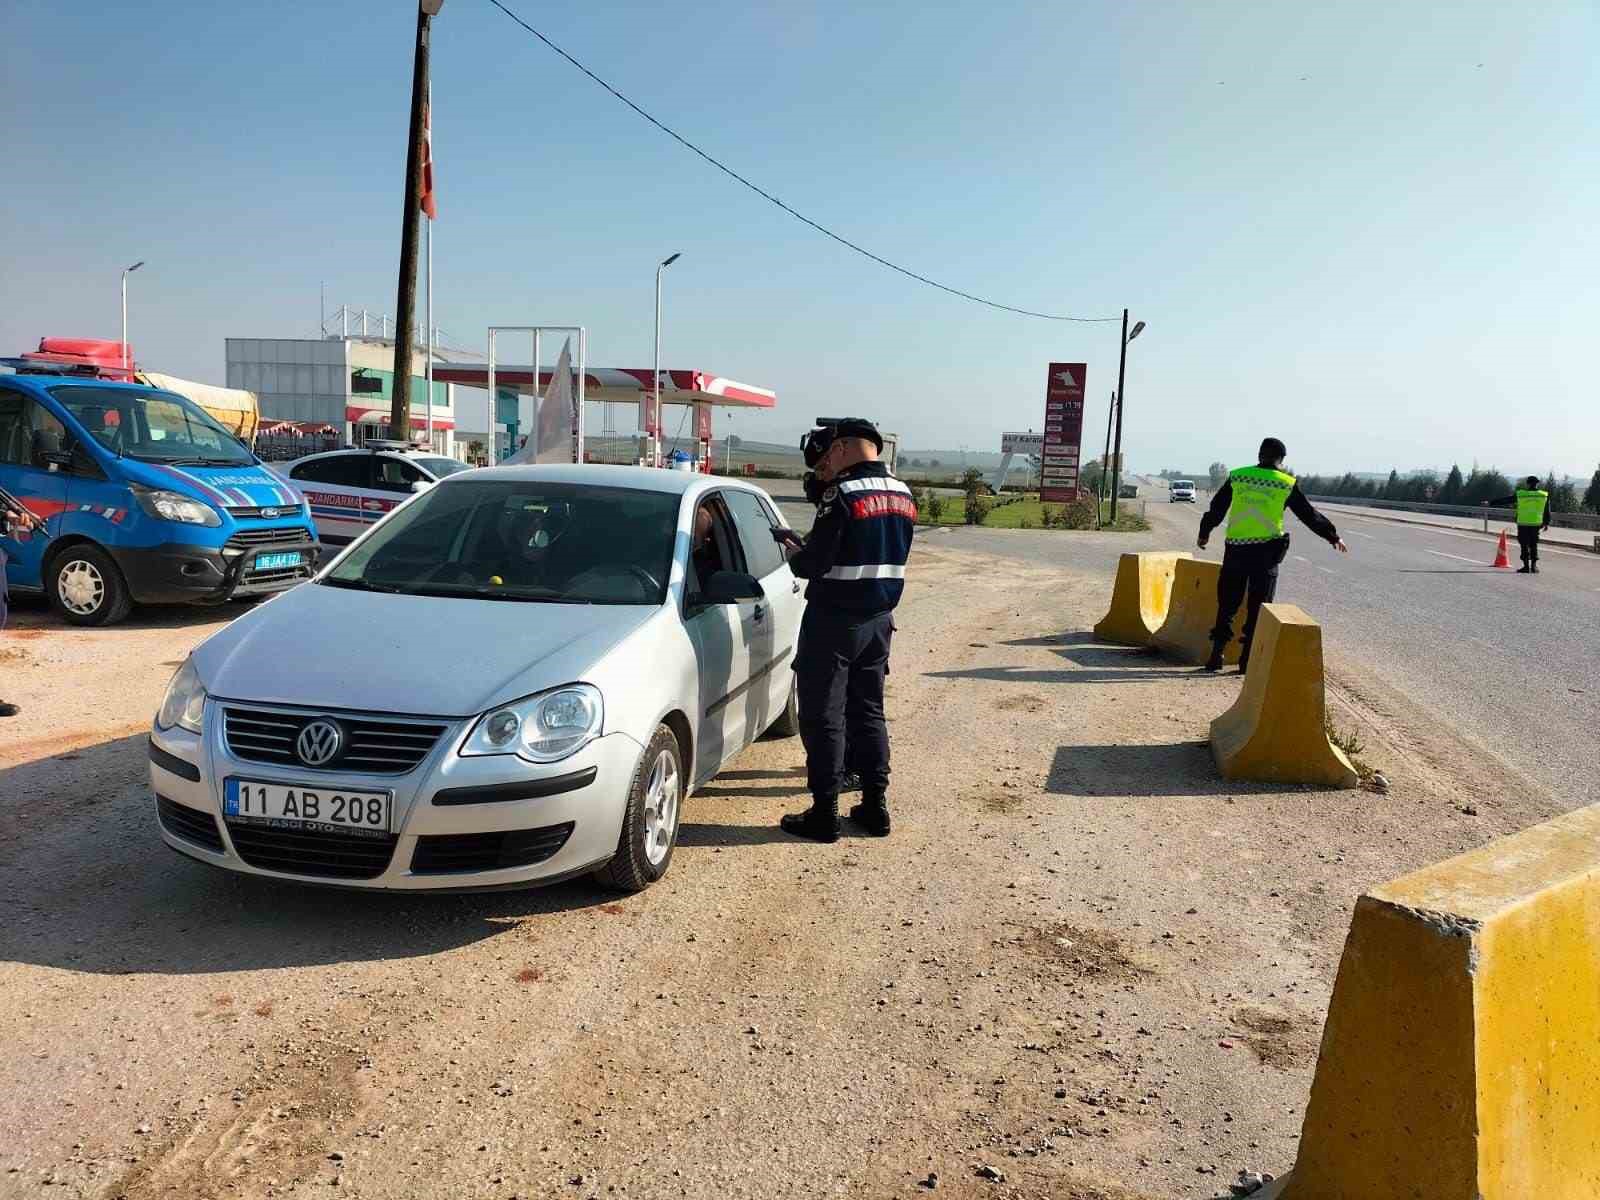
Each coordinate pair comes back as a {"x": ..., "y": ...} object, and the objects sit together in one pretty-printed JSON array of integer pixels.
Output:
[
  {"x": 758, "y": 614},
  {"x": 795, "y": 587}
]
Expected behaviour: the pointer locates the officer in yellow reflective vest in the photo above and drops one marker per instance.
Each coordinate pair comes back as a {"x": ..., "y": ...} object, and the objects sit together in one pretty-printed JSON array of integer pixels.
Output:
[
  {"x": 1533, "y": 518},
  {"x": 1253, "y": 502}
]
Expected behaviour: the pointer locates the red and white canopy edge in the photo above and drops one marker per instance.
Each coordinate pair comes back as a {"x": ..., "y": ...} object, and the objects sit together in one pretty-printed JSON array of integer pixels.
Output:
[{"x": 616, "y": 385}]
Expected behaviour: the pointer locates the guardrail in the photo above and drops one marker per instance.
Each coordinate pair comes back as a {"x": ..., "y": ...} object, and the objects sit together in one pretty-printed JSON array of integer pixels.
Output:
[{"x": 1561, "y": 520}]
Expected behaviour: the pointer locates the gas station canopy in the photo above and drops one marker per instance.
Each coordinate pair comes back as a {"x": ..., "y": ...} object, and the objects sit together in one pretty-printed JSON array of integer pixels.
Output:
[{"x": 616, "y": 385}]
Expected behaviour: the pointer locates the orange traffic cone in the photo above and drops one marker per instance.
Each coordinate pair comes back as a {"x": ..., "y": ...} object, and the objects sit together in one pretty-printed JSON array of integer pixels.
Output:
[{"x": 1502, "y": 559}]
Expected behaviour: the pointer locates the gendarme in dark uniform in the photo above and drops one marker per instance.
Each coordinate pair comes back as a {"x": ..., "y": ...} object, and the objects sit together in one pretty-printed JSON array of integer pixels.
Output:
[
  {"x": 855, "y": 560},
  {"x": 1253, "y": 502}
]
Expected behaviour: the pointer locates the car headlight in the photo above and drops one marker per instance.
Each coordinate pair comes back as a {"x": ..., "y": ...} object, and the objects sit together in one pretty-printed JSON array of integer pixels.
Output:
[
  {"x": 543, "y": 728},
  {"x": 185, "y": 702},
  {"x": 175, "y": 506}
]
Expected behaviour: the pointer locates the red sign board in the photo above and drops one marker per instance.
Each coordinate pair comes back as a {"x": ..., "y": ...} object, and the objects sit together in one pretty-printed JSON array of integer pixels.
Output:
[{"x": 1063, "y": 431}]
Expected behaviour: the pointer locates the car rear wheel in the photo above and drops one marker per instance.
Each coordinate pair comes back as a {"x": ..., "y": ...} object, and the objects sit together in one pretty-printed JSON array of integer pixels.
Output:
[
  {"x": 650, "y": 824},
  {"x": 788, "y": 722},
  {"x": 85, "y": 587}
]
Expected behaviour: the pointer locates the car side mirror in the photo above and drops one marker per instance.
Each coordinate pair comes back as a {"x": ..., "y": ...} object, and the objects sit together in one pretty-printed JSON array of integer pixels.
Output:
[
  {"x": 56, "y": 460},
  {"x": 421, "y": 485},
  {"x": 730, "y": 587}
]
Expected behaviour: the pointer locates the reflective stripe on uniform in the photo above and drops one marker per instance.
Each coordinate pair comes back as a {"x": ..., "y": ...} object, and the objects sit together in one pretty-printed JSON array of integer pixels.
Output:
[
  {"x": 869, "y": 571},
  {"x": 874, "y": 483}
]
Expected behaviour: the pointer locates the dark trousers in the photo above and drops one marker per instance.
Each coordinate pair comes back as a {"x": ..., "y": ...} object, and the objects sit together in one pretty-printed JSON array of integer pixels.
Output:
[
  {"x": 1246, "y": 571},
  {"x": 1528, "y": 539},
  {"x": 840, "y": 667}
]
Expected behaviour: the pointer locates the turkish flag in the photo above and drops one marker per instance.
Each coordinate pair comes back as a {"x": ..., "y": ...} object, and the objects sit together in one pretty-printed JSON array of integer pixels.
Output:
[{"x": 425, "y": 201}]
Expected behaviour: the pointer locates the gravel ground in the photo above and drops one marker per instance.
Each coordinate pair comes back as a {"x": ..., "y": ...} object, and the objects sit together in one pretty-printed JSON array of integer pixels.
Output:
[{"x": 1082, "y": 964}]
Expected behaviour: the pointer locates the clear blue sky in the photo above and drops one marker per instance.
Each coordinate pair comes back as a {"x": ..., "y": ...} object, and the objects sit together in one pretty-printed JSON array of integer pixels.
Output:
[{"x": 1368, "y": 228}]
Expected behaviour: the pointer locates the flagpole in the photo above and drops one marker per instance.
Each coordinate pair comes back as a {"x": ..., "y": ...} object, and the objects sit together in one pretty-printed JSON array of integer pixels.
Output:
[{"x": 428, "y": 390}]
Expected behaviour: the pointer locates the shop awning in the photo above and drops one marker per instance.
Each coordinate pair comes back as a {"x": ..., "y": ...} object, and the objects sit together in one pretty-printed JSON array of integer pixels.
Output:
[{"x": 616, "y": 385}]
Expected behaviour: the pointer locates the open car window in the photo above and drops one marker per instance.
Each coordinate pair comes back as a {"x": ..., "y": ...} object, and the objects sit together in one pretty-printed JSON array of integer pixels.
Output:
[{"x": 521, "y": 541}]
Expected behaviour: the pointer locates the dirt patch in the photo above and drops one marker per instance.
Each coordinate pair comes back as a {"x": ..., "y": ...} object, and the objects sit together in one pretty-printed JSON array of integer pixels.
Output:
[
  {"x": 277, "y": 1129},
  {"x": 27, "y": 635},
  {"x": 1023, "y": 703},
  {"x": 13, "y": 655},
  {"x": 1088, "y": 953},
  {"x": 1000, "y": 804},
  {"x": 1284, "y": 1041}
]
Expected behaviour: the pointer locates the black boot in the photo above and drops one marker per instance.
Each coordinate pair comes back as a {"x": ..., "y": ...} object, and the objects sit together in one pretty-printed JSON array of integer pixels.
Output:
[
  {"x": 820, "y": 822},
  {"x": 872, "y": 814},
  {"x": 1244, "y": 659},
  {"x": 1533, "y": 567},
  {"x": 1214, "y": 663},
  {"x": 8, "y": 710},
  {"x": 849, "y": 782},
  {"x": 1524, "y": 569}
]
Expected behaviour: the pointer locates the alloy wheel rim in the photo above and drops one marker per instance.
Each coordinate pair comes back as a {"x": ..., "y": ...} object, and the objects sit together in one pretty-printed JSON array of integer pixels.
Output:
[
  {"x": 661, "y": 796},
  {"x": 81, "y": 586}
]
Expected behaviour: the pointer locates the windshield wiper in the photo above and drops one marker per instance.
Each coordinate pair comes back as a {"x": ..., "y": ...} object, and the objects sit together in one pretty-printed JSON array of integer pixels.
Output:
[
  {"x": 490, "y": 592},
  {"x": 202, "y": 462},
  {"x": 362, "y": 585}
]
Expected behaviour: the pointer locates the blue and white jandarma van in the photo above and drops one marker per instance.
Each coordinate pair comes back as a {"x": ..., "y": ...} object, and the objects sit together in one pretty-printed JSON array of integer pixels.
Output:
[{"x": 144, "y": 499}]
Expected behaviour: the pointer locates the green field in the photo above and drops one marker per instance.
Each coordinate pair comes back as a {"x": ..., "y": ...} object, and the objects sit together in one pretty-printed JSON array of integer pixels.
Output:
[{"x": 1018, "y": 514}]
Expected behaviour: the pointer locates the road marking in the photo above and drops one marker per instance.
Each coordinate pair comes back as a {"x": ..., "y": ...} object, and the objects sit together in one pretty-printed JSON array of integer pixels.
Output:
[
  {"x": 1458, "y": 558},
  {"x": 1368, "y": 536},
  {"x": 1472, "y": 534},
  {"x": 1299, "y": 558},
  {"x": 1326, "y": 570}
]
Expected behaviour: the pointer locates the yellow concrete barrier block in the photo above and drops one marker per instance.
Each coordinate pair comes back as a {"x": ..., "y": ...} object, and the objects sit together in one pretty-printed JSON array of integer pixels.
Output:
[
  {"x": 1276, "y": 731},
  {"x": 1139, "y": 598},
  {"x": 1461, "y": 1056},
  {"x": 1192, "y": 612}
]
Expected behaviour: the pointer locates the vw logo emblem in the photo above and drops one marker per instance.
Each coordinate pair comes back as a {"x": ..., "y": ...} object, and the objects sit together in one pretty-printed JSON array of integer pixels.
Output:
[{"x": 319, "y": 742}]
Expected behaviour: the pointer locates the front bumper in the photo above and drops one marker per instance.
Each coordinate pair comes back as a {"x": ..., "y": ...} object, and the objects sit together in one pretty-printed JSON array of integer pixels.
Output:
[
  {"x": 453, "y": 818},
  {"x": 175, "y": 573}
]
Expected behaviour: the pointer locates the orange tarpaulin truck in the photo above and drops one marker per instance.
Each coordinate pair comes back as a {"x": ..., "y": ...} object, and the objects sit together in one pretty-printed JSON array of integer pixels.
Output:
[{"x": 235, "y": 409}]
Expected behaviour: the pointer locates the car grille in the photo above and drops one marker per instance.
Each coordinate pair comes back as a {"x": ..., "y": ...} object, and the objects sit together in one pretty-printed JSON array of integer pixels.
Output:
[
  {"x": 276, "y": 575},
  {"x": 444, "y": 854},
  {"x": 254, "y": 539},
  {"x": 190, "y": 824},
  {"x": 254, "y": 514},
  {"x": 327, "y": 855},
  {"x": 376, "y": 746}
]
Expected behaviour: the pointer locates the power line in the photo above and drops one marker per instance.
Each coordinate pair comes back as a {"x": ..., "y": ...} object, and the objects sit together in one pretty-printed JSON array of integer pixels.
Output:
[{"x": 770, "y": 198}]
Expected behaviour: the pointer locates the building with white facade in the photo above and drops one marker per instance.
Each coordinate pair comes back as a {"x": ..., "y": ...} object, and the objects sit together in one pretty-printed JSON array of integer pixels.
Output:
[{"x": 346, "y": 382}]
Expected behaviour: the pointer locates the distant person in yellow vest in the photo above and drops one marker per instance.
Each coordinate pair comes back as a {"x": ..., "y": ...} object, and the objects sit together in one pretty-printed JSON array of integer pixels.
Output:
[
  {"x": 1533, "y": 517},
  {"x": 1253, "y": 502}
]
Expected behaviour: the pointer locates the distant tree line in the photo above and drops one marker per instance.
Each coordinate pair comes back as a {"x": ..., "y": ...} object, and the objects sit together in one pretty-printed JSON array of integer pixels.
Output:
[{"x": 1476, "y": 487}]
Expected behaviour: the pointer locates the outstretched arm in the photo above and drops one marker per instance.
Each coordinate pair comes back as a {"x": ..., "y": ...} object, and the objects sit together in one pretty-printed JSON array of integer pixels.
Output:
[{"x": 1315, "y": 521}]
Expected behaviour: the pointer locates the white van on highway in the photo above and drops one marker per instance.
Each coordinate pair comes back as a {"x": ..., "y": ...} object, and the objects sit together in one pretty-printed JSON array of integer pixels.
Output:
[{"x": 1180, "y": 489}]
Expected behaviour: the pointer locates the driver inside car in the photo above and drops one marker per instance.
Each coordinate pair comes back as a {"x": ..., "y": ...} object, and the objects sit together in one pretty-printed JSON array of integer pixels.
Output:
[{"x": 532, "y": 536}]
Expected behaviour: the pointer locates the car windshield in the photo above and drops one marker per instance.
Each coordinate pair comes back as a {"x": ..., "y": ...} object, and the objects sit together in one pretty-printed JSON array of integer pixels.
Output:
[
  {"x": 151, "y": 426},
  {"x": 520, "y": 540},
  {"x": 440, "y": 467}
]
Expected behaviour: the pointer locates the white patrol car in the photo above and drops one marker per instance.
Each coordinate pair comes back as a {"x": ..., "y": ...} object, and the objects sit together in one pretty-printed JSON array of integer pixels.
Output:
[{"x": 349, "y": 491}]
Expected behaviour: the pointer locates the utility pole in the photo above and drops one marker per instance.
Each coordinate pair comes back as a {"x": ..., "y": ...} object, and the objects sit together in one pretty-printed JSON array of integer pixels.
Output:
[
  {"x": 1122, "y": 369},
  {"x": 654, "y": 433},
  {"x": 406, "y": 300},
  {"x": 1105, "y": 461},
  {"x": 126, "y": 360}
]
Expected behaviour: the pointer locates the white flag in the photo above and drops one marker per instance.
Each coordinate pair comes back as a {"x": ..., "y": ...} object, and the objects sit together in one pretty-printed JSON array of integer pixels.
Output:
[{"x": 551, "y": 437}]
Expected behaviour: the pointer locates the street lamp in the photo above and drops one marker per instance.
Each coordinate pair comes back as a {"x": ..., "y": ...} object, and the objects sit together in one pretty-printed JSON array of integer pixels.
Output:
[
  {"x": 126, "y": 271},
  {"x": 1122, "y": 368},
  {"x": 654, "y": 431}
]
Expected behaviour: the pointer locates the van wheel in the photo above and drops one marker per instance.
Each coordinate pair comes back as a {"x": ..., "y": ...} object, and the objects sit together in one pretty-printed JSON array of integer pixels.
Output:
[
  {"x": 650, "y": 824},
  {"x": 85, "y": 587},
  {"x": 788, "y": 722}
]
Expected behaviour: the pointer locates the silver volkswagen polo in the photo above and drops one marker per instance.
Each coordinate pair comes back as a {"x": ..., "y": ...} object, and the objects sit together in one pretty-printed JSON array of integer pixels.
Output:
[{"x": 516, "y": 677}]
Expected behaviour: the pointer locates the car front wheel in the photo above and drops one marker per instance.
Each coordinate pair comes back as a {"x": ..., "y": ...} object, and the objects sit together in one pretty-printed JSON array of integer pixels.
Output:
[
  {"x": 85, "y": 586},
  {"x": 650, "y": 824}
]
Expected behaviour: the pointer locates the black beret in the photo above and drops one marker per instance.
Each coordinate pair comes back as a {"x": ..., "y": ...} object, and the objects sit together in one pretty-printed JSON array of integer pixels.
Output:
[{"x": 859, "y": 427}]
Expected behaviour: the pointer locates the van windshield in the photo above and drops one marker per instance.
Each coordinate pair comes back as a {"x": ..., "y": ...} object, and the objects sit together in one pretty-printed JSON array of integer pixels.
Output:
[{"x": 151, "y": 426}]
